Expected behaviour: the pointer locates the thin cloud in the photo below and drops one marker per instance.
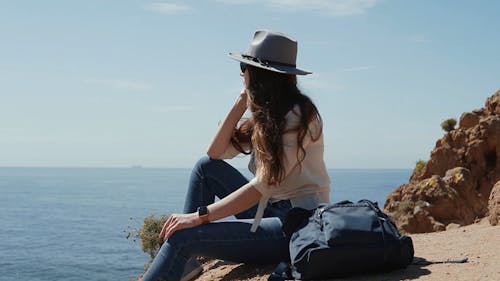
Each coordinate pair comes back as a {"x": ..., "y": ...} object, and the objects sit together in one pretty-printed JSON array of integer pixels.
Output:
[
  {"x": 119, "y": 84},
  {"x": 329, "y": 7},
  {"x": 167, "y": 8},
  {"x": 357, "y": 68},
  {"x": 172, "y": 108},
  {"x": 237, "y": 2}
]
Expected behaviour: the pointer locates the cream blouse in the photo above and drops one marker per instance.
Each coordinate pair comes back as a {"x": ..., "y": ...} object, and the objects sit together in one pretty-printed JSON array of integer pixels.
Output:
[{"x": 306, "y": 185}]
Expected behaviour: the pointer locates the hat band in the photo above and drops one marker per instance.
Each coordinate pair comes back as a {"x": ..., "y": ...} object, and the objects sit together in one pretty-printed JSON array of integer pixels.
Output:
[{"x": 268, "y": 62}]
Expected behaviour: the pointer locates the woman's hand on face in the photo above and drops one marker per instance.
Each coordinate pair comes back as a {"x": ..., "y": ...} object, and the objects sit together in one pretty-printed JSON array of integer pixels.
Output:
[
  {"x": 244, "y": 96},
  {"x": 177, "y": 222}
]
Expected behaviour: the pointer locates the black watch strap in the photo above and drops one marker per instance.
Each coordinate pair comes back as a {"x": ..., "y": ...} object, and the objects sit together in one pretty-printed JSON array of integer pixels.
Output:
[{"x": 203, "y": 214}]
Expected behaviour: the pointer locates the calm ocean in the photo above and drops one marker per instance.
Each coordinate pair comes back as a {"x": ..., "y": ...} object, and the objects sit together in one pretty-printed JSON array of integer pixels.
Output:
[{"x": 70, "y": 223}]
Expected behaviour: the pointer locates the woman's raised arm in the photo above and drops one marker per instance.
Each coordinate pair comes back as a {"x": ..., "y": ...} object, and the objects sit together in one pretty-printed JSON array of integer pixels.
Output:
[{"x": 222, "y": 137}]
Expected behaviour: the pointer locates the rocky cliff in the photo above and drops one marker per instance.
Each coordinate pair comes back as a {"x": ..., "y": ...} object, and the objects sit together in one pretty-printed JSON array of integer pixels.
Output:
[{"x": 454, "y": 186}]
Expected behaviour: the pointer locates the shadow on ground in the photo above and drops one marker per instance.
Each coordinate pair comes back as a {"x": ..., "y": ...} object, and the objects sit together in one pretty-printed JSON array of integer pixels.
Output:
[{"x": 251, "y": 272}]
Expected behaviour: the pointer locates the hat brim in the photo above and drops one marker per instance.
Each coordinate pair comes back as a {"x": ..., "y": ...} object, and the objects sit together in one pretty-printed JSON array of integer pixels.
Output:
[{"x": 270, "y": 66}]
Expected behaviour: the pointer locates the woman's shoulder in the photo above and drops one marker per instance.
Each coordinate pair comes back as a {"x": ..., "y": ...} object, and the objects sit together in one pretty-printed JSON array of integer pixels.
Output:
[{"x": 294, "y": 115}]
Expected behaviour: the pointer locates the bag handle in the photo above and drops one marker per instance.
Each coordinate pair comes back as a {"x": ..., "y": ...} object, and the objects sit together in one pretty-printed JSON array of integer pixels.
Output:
[{"x": 363, "y": 202}]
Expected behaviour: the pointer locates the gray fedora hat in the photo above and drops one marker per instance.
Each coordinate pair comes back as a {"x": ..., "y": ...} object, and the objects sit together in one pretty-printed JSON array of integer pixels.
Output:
[{"x": 272, "y": 51}]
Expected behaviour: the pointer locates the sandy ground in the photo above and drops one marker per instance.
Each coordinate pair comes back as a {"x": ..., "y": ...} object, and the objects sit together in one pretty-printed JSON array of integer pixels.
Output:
[{"x": 480, "y": 243}]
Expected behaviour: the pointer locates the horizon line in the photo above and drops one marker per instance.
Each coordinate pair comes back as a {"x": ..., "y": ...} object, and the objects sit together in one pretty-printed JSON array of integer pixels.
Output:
[{"x": 167, "y": 167}]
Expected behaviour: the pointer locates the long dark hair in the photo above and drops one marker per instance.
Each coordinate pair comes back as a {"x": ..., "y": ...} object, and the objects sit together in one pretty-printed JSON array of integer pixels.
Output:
[{"x": 272, "y": 96}]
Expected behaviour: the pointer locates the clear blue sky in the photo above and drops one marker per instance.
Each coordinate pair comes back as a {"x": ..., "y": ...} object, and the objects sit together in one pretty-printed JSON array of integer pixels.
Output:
[{"x": 119, "y": 83}]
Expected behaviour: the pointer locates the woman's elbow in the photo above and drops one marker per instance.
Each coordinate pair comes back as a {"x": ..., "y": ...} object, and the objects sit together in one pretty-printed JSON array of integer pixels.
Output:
[{"x": 214, "y": 154}]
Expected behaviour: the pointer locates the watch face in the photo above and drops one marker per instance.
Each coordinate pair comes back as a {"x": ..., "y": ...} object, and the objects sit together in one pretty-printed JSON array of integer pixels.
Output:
[{"x": 202, "y": 211}]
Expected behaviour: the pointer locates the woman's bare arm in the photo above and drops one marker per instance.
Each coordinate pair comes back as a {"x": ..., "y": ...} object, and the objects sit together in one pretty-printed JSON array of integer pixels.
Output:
[
  {"x": 222, "y": 137},
  {"x": 236, "y": 202}
]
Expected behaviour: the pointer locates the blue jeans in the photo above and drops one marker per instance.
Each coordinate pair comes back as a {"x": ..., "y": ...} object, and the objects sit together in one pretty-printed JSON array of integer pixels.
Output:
[{"x": 229, "y": 240}]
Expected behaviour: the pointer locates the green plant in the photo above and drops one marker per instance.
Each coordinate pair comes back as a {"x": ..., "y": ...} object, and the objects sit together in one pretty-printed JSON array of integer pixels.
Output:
[
  {"x": 406, "y": 206},
  {"x": 419, "y": 167},
  {"x": 149, "y": 233},
  {"x": 448, "y": 125},
  {"x": 458, "y": 176},
  {"x": 433, "y": 182}
]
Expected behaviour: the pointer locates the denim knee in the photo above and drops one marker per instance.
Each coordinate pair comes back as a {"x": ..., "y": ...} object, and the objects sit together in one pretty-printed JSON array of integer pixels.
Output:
[
  {"x": 205, "y": 162},
  {"x": 202, "y": 161},
  {"x": 182, "y": 239}
]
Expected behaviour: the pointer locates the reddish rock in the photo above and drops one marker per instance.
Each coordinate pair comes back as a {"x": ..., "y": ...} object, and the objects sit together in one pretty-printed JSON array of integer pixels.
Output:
[
  {"x": 456, "y": 182},
  {"x": 493, "y": 104},
  {"x": 468, "y": 120},
  {"x": 494, "y": 205}
]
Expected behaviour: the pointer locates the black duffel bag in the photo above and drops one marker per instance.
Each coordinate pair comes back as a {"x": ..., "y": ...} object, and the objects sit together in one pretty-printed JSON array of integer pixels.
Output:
[{"x": 347, "y": 238}]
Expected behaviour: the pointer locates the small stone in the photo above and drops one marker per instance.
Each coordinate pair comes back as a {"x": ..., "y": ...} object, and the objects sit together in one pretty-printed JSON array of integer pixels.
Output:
[
  {"x": 438, "y": 226},
  {"x": 452, "y": 226}
]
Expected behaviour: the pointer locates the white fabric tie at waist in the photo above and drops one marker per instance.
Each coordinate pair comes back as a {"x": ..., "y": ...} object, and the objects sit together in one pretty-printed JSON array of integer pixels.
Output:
[
  {"x": 308, "y": 202},
  {"x": 260, "y": 212}
]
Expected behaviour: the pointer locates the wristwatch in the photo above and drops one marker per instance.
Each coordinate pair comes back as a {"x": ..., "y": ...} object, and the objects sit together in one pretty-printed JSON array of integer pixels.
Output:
[{"x": 203, "y": 214}]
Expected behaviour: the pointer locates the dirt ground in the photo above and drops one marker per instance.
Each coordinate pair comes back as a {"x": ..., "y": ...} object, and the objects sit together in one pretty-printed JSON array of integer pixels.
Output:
[{"x": 480, "y": 243}]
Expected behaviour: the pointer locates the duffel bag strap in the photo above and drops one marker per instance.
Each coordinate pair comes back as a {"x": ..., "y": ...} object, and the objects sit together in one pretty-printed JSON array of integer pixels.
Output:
[{"x": 423, "y": 261}]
